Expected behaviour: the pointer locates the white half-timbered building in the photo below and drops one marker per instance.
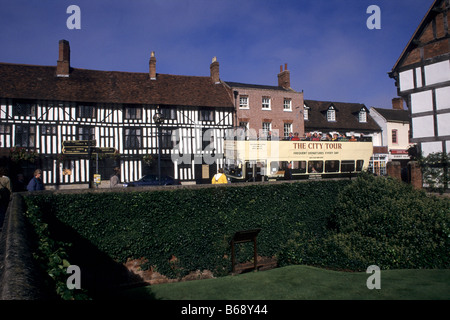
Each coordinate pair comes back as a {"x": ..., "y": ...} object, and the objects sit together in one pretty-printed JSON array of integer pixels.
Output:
[
  {"x": 422, "y": 78},
  {"x": 43, "y": 107}
]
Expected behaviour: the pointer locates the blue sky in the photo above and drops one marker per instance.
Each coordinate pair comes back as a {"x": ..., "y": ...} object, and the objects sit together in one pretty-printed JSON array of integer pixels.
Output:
[{"x": 330, "y": 52}]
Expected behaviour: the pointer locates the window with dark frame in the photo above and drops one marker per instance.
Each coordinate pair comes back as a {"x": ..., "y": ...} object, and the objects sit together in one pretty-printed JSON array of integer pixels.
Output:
[
  {"x": 206, "y": 115},
  {"x": 48, "y": 130},
  {"x": 133, "y": 138},
  {"x": 85, "y": 133},
  {"x": 24, "y": 108},
  {"x": 394, "y": 136},
  {"x": 133, "y": 113},
  {"x": 86, "y": 111},
  {"x": 166, "y": 138},
  {"x": 207, "y": 138},
  {"x": 5, "y": 129},
  {"x": 169, "y": 113},
  {"x": 25, "y": 136}
]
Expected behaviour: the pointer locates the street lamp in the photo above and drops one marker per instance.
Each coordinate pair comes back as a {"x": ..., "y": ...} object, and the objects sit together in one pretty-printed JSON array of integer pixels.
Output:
[{"x": 158, "y": 118}]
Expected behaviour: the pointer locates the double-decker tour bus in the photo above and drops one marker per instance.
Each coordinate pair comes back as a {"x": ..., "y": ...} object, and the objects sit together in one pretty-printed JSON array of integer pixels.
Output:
[{"x": 256, "y": 160}]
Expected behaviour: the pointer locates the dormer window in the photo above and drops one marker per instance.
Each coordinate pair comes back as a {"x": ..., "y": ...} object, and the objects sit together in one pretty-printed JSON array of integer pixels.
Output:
[
  {"x": 305, "y": 113},
  {"x": 331, "y": 114},
  {"x": 363, "y": 116}
]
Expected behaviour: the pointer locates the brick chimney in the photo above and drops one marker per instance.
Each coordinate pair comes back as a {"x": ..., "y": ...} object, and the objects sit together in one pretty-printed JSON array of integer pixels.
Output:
[
  {"x": 214, "y": 68},
  {"x": 397, "y": 104},
  {"x": 63, "y": 63},
  {"x": 152, "y": 66},
  {"x": 284, "y": 77}
]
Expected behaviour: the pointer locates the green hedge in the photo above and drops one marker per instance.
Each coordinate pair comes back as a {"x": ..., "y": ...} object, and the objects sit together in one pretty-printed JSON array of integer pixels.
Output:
[
  {"x": 194, "y": 225},
  {"x": 380, "y": 221}
]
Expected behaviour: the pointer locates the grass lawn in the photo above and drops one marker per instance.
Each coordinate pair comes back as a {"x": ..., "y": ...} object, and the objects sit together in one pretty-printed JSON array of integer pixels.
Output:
[{"x": 304, "y": 283}]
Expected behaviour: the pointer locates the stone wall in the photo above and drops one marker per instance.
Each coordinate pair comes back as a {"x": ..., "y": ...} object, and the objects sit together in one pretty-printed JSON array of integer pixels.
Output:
[{"x": 19, "y": 276}]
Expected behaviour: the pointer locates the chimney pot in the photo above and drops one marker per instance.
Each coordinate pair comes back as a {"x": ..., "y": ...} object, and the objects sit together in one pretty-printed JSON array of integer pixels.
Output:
[
  {"x": 214, "y": 69},
  {"x": 284, "y": 78},
  {"x": 63, "y": 63},
  {"x": 152, "y": 66}
]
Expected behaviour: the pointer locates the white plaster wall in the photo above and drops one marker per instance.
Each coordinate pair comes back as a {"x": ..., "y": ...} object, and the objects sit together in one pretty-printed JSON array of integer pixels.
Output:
[
  {"x": 406, "y": 80},
  {"x": 431, "y": 147},
  {"x": 437, "y": 72},
  {"x": 423, "y": 127},
  {"x": 421, "y": 102},
  {"x": 443, "y": 98}
]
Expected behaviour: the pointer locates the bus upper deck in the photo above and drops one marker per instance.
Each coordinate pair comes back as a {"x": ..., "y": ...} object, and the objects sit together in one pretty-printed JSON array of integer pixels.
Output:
[{"x": 253, "y": 160}]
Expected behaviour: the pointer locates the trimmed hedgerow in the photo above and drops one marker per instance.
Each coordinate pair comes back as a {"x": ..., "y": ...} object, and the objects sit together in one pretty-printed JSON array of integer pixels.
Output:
[
  {"x": 193, "y": 225},
  {"x": 381, "y": 221}
]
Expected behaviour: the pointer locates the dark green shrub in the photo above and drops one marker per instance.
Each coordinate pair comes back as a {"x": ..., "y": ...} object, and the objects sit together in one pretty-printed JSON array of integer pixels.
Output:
[{"x": 385, "y": 222}]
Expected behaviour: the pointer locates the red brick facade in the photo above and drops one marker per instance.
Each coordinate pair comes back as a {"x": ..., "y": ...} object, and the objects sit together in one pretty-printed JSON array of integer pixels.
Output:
[{"x": 282, "y": 106}]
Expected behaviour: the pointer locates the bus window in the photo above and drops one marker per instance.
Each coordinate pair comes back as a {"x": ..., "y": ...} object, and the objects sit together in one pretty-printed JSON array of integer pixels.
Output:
[
  {"x": 233, "y": 168},
  {"x": 348, "y": 165},
  {"x": 359, "y": 165},
  {"x": 315, "y": 166},
  {"x": 332, "y": 166},
  {"x": 299, "y": 167},
  {"x": 261, "y": 168},
  {"x": 274, "y": 165}
]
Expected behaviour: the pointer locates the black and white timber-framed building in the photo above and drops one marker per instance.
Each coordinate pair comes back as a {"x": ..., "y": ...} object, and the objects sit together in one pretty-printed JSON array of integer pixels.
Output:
[
  {"x": 422, "y": 78},
  {"x": 41, "y": 107}
]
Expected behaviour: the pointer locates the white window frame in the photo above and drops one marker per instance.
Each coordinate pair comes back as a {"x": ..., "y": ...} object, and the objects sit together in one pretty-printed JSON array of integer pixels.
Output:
[
  {"x": 287, "y": 104},
  {"x": 331, "y": 114},
  {"x": 287, "y": 128},
  {"x": 305, "y": 113},
  {"x": 266, "y": 127},
  {"x": 244, "y": 105},
  {"x": 266, "y": 103},
  {"x": 363, "y": 116}
]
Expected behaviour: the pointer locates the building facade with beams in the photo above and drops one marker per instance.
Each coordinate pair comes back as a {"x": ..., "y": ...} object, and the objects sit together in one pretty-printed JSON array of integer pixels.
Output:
[
  {"x": 42, "y": 107},
  {"x": 422, "y": 78}
]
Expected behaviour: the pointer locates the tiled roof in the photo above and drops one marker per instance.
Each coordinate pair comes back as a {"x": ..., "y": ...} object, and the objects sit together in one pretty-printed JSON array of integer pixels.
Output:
[
  {"x": 346, "y": 117},
  {"x": 40, "y": 82},
  {"x": 393, "y": 114}
]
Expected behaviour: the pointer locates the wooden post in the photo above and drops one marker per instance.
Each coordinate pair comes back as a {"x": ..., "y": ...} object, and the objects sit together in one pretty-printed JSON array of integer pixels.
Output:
[{"x": 241, "y": 237}]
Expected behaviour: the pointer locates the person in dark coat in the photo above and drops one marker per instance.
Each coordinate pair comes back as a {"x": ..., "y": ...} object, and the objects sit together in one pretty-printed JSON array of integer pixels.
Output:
[
  {"x": 288, "y": 172},
  {"x": 36, "y": 183}
]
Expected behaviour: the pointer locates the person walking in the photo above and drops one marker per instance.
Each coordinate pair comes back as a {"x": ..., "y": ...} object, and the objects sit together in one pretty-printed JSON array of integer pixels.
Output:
[
  {"x": 219, "y": 178},
  {"x": 36, "y": 183}
]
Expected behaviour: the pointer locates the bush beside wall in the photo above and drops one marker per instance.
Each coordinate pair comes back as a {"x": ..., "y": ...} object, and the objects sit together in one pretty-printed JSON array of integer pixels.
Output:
[
  {"x": 380, "y": 221},
  {"x": 195, "y": 226}
]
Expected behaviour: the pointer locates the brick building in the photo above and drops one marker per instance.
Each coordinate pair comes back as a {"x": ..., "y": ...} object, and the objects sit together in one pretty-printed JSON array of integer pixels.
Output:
[{"x": 264, "y": 108}]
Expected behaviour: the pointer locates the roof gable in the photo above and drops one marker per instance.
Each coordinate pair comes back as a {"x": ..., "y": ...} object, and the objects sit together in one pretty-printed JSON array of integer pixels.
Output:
[{"x": 423, "y": 34}]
